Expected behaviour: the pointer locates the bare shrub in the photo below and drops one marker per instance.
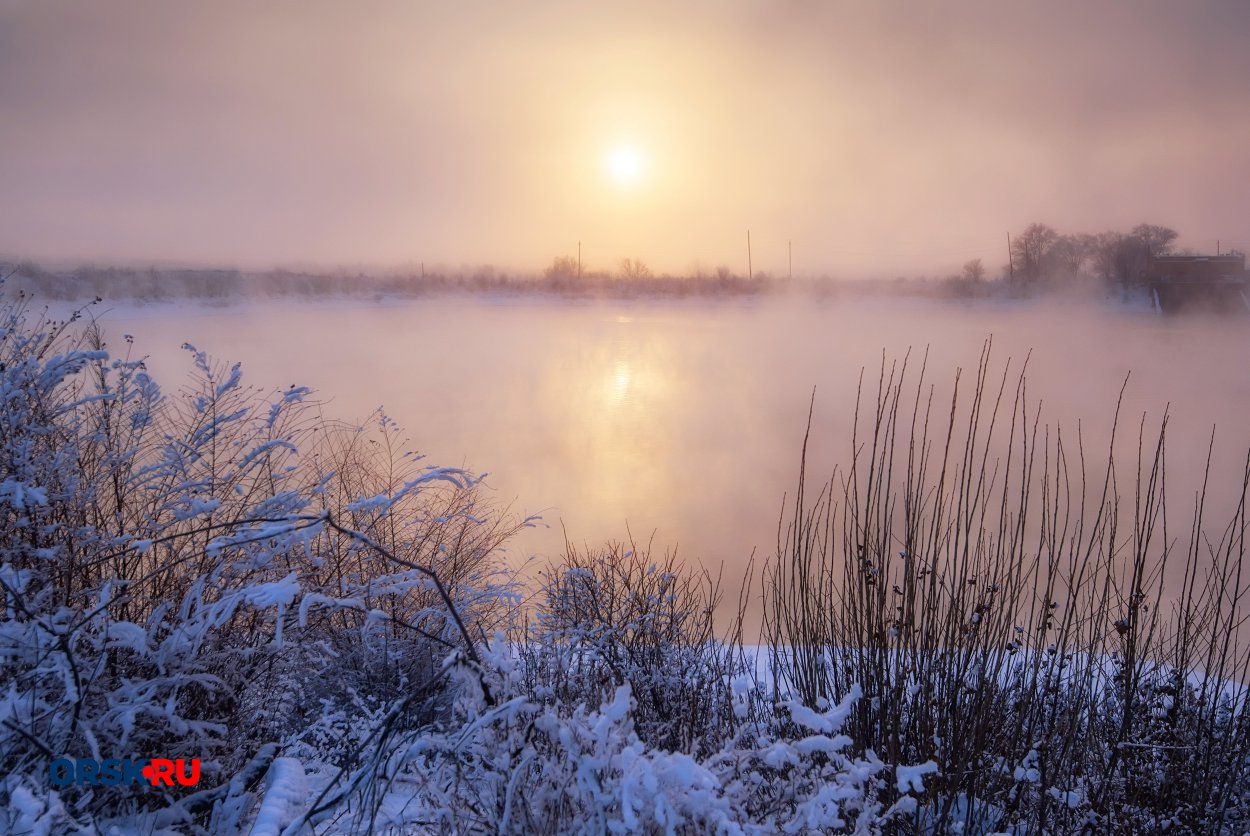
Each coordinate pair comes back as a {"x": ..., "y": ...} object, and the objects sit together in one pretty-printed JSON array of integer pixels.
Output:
[
  {"x": 618, "y": 616},
  {"x": 1007, "y": 616}
]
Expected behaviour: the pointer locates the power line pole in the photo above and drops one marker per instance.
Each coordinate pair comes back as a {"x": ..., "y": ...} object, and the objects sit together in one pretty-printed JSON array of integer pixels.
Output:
[
  {"x": 750, "y": 269},
  {"x": 790, "y": 255},
  {"x": 1010, "y": 262}
]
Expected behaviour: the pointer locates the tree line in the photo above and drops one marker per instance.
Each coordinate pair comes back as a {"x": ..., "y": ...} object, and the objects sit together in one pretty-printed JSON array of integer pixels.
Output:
[{"x": 1040, "y": 255}]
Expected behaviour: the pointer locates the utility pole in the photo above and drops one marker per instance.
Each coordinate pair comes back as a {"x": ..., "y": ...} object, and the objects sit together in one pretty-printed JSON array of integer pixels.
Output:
[
  {"x": 750, "y": 270},
  {"x": 1010, "y": 262},
  {"x": 790, "y": 255}
]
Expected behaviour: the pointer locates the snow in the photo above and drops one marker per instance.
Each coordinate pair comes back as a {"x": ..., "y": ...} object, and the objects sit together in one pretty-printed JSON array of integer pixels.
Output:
[
  {"x": 1070, "y": 798},
  {"x": 911, "y": 778},
  {"x": 35, "y": 815},
  {"x": 20, "y": 495},
  {"x": 128, "y": 635},
  {"x": 285, "y": 796},
  {"x": 828, "y": 721}
]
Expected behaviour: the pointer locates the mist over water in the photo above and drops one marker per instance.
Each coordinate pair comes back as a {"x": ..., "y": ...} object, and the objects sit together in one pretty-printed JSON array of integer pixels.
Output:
[{"x": 685, "y": 419}]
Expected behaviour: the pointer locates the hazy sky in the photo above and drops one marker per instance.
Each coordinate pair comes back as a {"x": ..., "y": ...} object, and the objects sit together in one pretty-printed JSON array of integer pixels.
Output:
[{"x": 880, "y": 137}]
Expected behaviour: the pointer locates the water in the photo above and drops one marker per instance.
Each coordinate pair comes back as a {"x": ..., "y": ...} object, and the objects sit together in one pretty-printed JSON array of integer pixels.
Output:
[{"x": 683, "y": 421}]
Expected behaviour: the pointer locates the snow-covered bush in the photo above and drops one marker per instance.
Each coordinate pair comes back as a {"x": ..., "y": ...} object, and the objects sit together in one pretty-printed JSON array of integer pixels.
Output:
[
  {"x": 618, "y": 616},
  {"x": 195, "y": 576},
  {"x": 524, "y": 767}
]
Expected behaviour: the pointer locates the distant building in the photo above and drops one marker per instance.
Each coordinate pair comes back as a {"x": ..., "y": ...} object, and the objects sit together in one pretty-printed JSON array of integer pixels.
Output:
[{"x": 1198, "y": 282}]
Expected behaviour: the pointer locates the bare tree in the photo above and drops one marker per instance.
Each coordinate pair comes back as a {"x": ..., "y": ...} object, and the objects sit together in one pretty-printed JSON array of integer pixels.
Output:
[
  {"x": 562, "y": 267},
  {"x": 974, "y": 270},
  {"x": 634, "y": 268},
  {"x": 1120, "y": 258},
  {"x": 1071, "y": 252},
  {"x": 1134, "y": 251},
  {"x": 1030, "y": 249},
  {"x": 1158, "y": 239},
  {"x": 1105, "y": 247}
]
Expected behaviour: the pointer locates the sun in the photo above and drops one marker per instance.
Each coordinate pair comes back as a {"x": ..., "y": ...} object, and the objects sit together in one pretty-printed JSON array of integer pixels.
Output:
[{"x": 626, "y": 165}]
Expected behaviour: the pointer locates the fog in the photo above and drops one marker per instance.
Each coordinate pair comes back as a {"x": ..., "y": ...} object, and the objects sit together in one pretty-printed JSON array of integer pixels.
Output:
[
  {"x": 879, "y": 138},
  {"x": 847, "y": 140},
  {"x": 684, "y": 420}
]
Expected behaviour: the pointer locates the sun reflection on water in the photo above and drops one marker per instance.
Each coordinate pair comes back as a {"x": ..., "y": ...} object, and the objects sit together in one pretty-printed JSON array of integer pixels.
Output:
[
  {"x": 620, "y": 395},
  {"x": 620, "y": 383}
]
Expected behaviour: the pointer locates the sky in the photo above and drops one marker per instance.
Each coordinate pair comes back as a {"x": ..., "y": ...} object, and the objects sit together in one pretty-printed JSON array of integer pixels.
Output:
[{"x": 867, "y": 139}]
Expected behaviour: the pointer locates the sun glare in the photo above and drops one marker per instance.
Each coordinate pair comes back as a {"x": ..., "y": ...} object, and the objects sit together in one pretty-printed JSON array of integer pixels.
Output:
[{"x": 625, "y": 164}]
